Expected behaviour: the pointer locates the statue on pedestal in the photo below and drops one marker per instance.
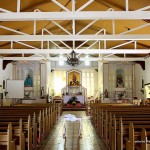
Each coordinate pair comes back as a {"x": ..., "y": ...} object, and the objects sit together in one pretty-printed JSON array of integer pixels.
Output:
[
  {"x": 119, "y": 81},
  {"x": 28, "y": 81},
  {"x": 42, "y": 92},
  {"x": 106, "y": 94}
]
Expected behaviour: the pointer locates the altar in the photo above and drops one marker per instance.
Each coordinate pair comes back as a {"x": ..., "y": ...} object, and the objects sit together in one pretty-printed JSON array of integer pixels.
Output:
[
  {"x": 79, "y": 98},
  {"x": 74, "y": 89}
]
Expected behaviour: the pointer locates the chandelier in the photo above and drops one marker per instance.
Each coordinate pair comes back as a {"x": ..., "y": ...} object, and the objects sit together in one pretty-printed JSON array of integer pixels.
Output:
[{"x": 73, "y": 60}]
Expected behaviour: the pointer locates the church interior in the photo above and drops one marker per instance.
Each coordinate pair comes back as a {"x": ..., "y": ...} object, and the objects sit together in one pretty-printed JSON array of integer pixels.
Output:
[{"x": 74, "y": 75}]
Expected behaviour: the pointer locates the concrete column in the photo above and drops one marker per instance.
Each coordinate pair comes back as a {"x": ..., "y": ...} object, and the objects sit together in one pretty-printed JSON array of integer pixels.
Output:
[
  {"x": 1, "y": 72},
  {"x": 100, "y": 78},
  {"x": 147, "y": 78},
  {"x": 147, "y": 71},
  {"x": 1, "y": 77},
  {"x": 43, "y": 77},
  {"x": 48, "y": 78}
]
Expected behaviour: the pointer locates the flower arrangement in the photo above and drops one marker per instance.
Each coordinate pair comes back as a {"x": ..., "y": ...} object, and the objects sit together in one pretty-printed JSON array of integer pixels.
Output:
[
  {"x": 73, "y": 102},
  {"x": 120, "y": 95}
]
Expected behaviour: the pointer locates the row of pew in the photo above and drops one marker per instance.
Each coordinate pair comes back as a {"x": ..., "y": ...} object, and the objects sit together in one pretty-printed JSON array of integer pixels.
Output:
[
  {"x": 25, "y": 126},
  {"x": 122, "y": 126}
]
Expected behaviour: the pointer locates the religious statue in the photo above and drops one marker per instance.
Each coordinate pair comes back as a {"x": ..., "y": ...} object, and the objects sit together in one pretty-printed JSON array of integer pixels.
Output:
[
  {"x": 119, "y": 80},
  {"x": 42, "y": 92},
  {"x": 28, "y": 81},
  {"x": 106, "y": 93}
]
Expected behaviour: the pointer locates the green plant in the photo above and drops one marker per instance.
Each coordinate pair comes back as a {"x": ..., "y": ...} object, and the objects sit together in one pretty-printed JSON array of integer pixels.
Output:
[
  {"x": 73, "y": 101},
  {"x": 120, "y": 95}
]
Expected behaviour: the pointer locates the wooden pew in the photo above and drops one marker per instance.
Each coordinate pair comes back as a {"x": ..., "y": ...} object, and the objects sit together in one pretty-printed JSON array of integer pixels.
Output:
[
  {"x": 103, "y": 121},
  {"x": 23, "y": 131},
  {"x": 37, "y": 127},
  {"x": 6, "y": 138}
]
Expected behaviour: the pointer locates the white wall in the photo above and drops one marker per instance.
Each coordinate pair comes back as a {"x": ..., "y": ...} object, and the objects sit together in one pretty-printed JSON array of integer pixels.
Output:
[
  {"x": 1, "y": 72},
  {"x": 139, "y": 74},
  {"x": 8, "y": 72},
  {"x": 106, "y": 77},
  {"x": 55, "y": 65},
  {"x": 147, "y": 71},
  {"x": 4, "y": 75},
  {"x": 146, "y": 77},
  {"x": 43, "y": 75},
  {"x": 100, "y": 78},
  {"x": 48, "y": 77}
]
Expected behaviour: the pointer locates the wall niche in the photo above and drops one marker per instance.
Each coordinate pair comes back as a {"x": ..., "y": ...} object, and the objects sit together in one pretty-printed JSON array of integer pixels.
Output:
[{"x": 118, "y": 76}]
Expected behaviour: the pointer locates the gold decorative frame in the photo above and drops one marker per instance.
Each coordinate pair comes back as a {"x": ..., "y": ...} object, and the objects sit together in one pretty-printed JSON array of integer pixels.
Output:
[{"x": 74, "y": 78}]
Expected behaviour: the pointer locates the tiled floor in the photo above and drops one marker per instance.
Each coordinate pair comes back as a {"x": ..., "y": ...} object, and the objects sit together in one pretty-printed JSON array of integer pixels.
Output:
[{"x": 88, "y": 141}]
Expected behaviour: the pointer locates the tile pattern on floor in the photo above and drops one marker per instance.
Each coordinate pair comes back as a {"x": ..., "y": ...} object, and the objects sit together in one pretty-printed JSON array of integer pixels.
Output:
[{"x": 88, "y": 141}]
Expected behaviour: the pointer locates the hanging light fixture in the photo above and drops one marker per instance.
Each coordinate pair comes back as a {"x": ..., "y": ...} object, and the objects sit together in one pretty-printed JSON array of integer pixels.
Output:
[{"x": 72, "y": 59}]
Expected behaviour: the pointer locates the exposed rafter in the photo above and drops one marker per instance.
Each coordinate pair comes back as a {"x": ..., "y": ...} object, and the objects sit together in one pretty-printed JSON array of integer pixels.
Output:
[
  {"x": 73, "y": 37},
  {"x": 84, "y": 15},
  {"x": 81, "y": 58},
  {"x": 85, "y": 5},
  {"x": 67, "y": 51}
]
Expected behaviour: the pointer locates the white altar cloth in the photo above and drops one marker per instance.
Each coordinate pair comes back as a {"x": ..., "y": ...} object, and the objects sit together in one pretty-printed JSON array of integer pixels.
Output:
[{"x": 71, "y": 118}]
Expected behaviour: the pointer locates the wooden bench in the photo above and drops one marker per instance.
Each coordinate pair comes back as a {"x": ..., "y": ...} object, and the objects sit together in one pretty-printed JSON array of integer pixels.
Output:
[
  {"x": 36, "y": 126},
  {"x": 111, "y": 130},
  {"x": 6, "y": 138}
]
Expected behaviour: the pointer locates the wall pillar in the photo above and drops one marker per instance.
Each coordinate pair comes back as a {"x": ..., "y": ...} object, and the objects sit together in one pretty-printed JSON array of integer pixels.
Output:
[
  {"x": 48, "y": 77},
  {"x": 43, "y": 78},
  {"x": 147, "y": 71},
  {"x": 1, "y": 78},
  {"x": 1, "y": 72},
  {"x": 100, "y": 79}
]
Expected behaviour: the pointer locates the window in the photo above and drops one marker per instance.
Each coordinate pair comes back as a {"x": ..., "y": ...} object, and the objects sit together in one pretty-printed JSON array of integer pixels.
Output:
[
  {"x": 58, "y": 81},
  {"x": 88, "y": 82}
]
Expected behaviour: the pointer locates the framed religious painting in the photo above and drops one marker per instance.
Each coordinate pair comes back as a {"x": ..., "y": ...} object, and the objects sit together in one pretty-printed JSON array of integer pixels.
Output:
[{"x": 74, "y": 78}]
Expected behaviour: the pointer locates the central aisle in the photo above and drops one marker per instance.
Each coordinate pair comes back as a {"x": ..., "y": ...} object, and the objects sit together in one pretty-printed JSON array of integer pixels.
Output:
[{"x": 88, "y": 141}]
